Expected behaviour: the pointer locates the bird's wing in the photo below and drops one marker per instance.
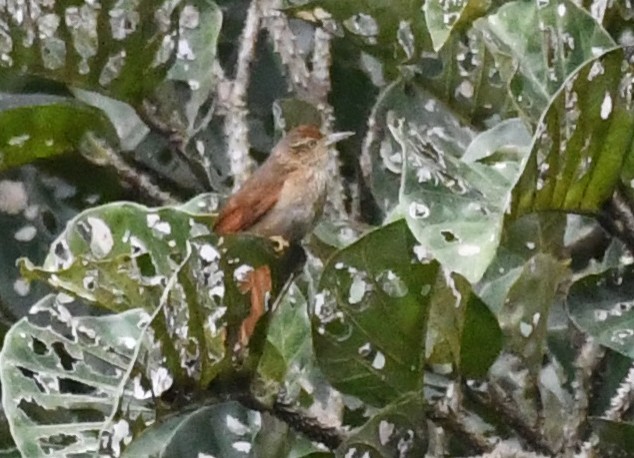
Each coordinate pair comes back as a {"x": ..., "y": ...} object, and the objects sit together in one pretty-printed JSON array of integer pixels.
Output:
[{"x": 256, "y": 197}]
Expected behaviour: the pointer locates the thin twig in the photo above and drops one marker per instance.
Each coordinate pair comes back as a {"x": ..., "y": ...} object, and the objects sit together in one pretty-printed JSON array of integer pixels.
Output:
[
  {"x": 100, "y": 154},
  {"x": 236, "y": 128}
]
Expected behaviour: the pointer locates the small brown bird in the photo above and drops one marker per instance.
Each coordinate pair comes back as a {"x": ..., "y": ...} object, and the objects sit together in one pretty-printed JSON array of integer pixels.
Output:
[{"x": 285, "y": 196}]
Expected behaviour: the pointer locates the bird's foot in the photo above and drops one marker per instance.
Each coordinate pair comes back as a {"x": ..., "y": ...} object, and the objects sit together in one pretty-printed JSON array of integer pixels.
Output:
[{"x": 280, "y": 243}]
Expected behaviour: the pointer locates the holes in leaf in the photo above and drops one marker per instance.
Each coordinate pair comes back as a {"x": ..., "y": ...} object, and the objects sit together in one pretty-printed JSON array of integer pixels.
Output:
[
  {"x": 38, "y": 346},
  {"x": 53, "y": 443},
  {"x": 449, "y": 236},
  {"x": 146, "y": 266},
  {"x": 50, "y": 221},
  {"x": 66, "y": 360},
  {"x": 31, "y": 375}
]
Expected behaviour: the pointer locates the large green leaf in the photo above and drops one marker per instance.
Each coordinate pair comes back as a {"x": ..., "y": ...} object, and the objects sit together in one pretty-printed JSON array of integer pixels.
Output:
[
  {"x": 381, "y": 287},
  {"x": 119, "y": 48},
  {"x": 74, "y": 385},
  {"x": 456, "y": 207},
  {"x": 224, "y": 430},
  {"x": 372, "y": 291},
  {"x": 538, "y": 45},
  {"x": 38, "y": 126},
  {"x": 581, "y": 142}
]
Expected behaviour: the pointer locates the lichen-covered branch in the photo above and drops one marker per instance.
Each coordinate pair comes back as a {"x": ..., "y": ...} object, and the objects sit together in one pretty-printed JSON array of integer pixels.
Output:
[{"x": 236, "y": 128}]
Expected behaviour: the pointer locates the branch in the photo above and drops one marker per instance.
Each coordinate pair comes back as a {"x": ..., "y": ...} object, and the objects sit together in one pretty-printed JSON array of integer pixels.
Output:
[
  {"x": 100, "y": 154},
  {"x": 586, "y": 363},
  {"x": 332, "y": 437},
  {"x": 494, "y": 400},
  {"x": 456, "y": 423},
  {"x": 236, "y": 128}
]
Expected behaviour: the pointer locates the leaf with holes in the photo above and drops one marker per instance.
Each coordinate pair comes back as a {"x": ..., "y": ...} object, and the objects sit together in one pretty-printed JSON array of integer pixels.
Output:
[
  {"x": 122, "y": 255},
  {"x": 442, "y": 17},
  {"x": 582, "y": 141},
  {"x": 366, "y": 299},
  {"x": 74, "y": 385},
  {"x": 36, "y": 126},
  {"x": 539, "y": 45},
  {"x": 455, "y": 207},
  {"x": 603, "y": 306}
]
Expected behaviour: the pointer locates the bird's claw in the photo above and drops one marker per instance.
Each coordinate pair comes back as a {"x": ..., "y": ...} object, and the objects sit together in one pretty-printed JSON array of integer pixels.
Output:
[{"x": 280, "y": 243}]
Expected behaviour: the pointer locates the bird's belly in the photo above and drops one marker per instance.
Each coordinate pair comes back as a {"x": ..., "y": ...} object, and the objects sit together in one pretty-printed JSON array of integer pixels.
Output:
[{"x": 296, "y": 211}]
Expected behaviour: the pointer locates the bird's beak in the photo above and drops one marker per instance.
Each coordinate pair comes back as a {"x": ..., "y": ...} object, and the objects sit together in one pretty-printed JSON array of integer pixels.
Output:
[{"x": 337, "y": 137}]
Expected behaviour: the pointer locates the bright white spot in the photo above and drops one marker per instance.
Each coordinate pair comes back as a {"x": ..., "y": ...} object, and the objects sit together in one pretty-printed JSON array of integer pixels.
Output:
[
  {"x": 364, "y": 350},
  {"x": 466, "y": 89},
  {"x": 236, "y": 426},
  {"x": 163, "y": 227},
  {"x": 31, "y": 212},
  {"x": 127, "y": 342},
  {"x": 120, "y": 433},
  {"x": 209, "y": 253},
  {"x": 600, "y": 315},
  {"x": 101, "y": 241},
  {"x": 339, "y": 265},
  {"x": 20, "y": 140},
  {"x": 379, "y": 361},
  {"x": 358, "y": 288},
  {"x": 418, "y": 210},
  {"x": 530, "y": 245},
  {"x": 561, "y": 10},
  {"x": 421, "y": 253},
  {"x": 152, "y": 219},
  {"x": 242, "y": 446},
  {"x": 161, "y": 381},
  {"x": 22, "y": 287},
  {"x": 385, "y": 431},
  {"x": 240, "y": 274},
  {"x": 13, "y": 197},
  {"x": 536, "y": 318},
  {"x": 468, "y": 250},
  {"x": 606, "y": 106},
  {"x": 526, "y": 329},
  {"x": 25, "y": 233}
]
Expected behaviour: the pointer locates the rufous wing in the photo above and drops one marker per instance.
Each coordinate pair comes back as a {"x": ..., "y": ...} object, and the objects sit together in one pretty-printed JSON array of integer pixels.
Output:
[{"x": 247, "y": 206}]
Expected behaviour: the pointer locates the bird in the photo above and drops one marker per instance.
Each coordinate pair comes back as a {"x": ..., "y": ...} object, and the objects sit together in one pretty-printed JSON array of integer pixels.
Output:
[{"x": 285, "y": 196}]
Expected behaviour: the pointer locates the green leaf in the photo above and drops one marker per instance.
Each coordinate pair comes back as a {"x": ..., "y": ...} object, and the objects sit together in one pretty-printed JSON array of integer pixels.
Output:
[
  {"x": 442, "y": 17},
  {"x": 615, "y": 438},
  {"x": 462, "y": 331},
  {"x": 392, "y": 30},
  {"x": 455, "y": 207},
  {"x": 222, "y": 430},
  {"x": 288, "y": 347},
  {"x": 73, "y": 385},
  {"x": 38, "y": 126},
  {"x": 372, "y": 291},
  {"x": 524, "y": 316},
  {"x": 602, "y": 306},
  {"x": 537, "y": 46},
  {"x": 581, "y": 143},
  {"x": 399, "y": 429},
  {"x": 122, "y": 49}
]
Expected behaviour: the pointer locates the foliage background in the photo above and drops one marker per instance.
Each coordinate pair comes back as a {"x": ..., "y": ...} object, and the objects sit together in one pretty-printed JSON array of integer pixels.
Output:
[{"x": 467, "y": 292}]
